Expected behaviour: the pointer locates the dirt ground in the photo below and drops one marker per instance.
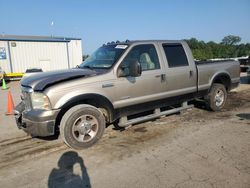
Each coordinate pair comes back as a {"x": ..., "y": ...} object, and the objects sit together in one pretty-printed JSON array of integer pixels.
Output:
[{"x": 196, "y": 148}]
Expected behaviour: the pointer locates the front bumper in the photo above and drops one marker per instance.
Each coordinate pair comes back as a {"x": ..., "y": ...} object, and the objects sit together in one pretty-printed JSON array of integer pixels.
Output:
[{"x": 36, "y": 122}]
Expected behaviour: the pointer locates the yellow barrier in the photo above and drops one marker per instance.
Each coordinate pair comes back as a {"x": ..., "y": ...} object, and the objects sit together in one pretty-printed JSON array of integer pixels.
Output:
[{"x": 14, "y": 74}]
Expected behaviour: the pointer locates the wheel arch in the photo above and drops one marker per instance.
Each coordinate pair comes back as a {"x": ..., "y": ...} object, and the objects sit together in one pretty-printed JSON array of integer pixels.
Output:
[
  {"x": 222, "y": 78},
  {"x": 96, "y": 100}
]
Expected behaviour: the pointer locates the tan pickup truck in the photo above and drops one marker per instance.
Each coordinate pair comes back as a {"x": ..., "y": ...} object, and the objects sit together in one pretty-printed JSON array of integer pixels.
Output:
[{"x": 116, "y": 84}]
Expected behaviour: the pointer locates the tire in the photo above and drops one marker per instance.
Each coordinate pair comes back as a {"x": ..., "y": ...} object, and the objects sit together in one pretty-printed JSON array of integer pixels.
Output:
[
  {"x": 216, "y": 99},
  {"x": 82, "y": 126}
]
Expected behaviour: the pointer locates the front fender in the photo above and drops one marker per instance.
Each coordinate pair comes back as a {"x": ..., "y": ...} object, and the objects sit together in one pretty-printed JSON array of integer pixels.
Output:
[
  {"x": 77, "y": 96},
  {"x": 94, "y": 99}
]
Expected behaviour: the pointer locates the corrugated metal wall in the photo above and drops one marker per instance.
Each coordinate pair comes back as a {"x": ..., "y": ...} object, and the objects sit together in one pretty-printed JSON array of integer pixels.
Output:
[
  {"x": 75, "y": 52},
  {"x": 45, "y": 55},
  {"x": 5, "y": 63}
]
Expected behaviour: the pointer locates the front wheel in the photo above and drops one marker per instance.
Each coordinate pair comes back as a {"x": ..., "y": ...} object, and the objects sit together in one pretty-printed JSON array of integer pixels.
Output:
[
  {"x": 82, "y": 126},
  {"x": 216, "y": 99}
]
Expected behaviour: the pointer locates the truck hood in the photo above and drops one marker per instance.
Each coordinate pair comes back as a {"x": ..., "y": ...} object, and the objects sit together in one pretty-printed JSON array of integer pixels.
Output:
[{"x": 40, "y": 81}]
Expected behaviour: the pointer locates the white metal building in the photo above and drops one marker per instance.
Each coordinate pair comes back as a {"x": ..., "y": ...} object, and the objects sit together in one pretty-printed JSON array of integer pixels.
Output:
[{"x": 18, "y": 53}]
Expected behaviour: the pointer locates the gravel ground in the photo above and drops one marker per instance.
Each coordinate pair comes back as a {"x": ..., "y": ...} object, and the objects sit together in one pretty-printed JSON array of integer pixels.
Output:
[{"x": 194, "y": 149}]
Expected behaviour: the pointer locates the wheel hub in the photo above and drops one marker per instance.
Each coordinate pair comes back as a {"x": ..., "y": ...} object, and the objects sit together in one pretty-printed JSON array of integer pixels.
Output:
[
  {"x": 219, "y": 98},
  {"x": 85, "y": 128}
]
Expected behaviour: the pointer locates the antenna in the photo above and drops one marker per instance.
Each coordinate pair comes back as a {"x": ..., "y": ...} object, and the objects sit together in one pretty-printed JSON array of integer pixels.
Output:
[{"x": 52, "y": 24}]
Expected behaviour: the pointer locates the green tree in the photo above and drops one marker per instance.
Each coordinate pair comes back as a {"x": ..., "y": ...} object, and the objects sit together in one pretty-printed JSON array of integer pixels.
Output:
[
  {"x": 228, "y": 48},
  {"x": 231, "y": 40}
]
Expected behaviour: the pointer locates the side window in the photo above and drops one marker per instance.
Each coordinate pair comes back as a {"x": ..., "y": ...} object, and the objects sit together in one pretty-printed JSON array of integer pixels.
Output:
[
  {"x": 175, "y": 55},
  {"x": 145, "y": 54}
]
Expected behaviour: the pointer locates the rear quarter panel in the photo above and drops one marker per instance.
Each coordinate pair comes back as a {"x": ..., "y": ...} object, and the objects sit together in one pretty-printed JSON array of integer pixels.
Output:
[{"x": 208, "y": 71}]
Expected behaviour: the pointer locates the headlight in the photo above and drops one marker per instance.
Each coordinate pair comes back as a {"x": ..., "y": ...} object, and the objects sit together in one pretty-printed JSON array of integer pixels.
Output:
[{"x": 40, "y": 101}]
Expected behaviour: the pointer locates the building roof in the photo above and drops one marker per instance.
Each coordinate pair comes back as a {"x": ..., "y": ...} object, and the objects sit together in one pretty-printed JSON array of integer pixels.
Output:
[{"x": 4, "y": 37}]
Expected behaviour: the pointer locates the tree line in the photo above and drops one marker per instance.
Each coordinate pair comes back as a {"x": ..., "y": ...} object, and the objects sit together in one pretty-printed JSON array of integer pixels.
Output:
[{"x": 229, "y": 47}]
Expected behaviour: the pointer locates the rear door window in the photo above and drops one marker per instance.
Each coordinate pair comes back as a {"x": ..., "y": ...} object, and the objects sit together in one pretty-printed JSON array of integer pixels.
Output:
[{"x": 175, "y": 55}]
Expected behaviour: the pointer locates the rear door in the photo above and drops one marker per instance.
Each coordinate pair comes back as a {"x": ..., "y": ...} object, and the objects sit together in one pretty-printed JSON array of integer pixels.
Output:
[{"x": 181, "y": 74}]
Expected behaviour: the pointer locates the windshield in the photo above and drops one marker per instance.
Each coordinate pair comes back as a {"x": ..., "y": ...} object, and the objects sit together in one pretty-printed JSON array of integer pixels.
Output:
[{"x": 104, "y": 57}]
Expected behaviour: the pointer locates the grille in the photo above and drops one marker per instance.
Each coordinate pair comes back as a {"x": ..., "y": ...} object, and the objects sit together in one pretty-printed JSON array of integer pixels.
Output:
[{"x": 27, "y": 98}]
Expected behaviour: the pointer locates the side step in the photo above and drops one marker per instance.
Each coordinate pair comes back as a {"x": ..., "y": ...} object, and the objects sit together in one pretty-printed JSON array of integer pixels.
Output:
[{"x": 124, "y": 122}]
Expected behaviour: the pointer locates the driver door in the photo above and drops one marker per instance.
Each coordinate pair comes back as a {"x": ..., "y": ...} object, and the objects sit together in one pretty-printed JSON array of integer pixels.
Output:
[{"x": 147, "y": 87}]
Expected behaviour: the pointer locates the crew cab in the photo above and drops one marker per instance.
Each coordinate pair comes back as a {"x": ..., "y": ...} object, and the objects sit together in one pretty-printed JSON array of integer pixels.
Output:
[{"x": 116, "y": 85}]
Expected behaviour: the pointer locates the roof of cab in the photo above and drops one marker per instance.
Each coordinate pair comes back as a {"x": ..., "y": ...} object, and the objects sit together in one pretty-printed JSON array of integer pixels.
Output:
[{"x": 129, "y": 42}]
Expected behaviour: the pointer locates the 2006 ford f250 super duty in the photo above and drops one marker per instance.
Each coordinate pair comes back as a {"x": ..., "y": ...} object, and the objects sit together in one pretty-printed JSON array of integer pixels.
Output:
[{"x": 119, "y": 81}]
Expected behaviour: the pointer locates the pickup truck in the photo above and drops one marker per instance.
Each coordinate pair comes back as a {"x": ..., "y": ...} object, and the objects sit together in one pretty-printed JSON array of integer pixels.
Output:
[{"x": 116, "y": 85}]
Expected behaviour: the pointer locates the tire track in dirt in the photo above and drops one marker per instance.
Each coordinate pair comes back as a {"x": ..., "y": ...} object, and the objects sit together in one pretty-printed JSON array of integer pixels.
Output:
[
  {"x": 25, "y": 148},
  {"x": 14, "y": 141}
]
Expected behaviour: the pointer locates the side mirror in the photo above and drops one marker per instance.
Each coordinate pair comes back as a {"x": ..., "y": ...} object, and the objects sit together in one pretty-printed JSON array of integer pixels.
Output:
[{"x": 134, "y": 68}]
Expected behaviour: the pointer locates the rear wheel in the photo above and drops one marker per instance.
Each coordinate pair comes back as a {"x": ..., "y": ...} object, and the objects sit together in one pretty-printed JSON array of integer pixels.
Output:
[
  {"x": 216, "y": 99},
  {"x": 82, "y": 126}
]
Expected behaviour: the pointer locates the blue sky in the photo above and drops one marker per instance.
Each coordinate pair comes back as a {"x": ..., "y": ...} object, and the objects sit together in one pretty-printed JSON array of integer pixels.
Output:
[{"x": 101, "y": 21}]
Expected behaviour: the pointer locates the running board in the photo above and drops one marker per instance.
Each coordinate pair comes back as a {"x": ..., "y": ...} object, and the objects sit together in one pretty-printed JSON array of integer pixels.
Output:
[{"x": 124, "y": 122}]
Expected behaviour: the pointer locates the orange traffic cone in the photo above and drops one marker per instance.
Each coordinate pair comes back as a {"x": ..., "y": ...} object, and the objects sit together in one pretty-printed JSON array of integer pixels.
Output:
[{"x": 10, "y": 110}]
